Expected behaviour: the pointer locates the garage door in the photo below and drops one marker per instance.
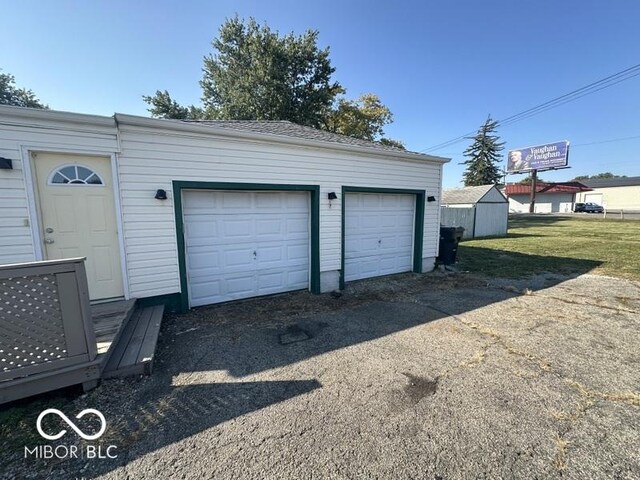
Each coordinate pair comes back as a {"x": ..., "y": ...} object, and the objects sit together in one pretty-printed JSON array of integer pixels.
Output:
[
  {"x": 378, "y": 234},
  {"x": 593, "y": 198},
  {"x": 243, "y": 244}
]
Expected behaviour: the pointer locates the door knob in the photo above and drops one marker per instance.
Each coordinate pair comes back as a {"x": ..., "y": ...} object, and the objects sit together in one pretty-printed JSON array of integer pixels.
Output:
[
  {"x": 49, "y": 241},
  {"x": 48, "y": 230}
]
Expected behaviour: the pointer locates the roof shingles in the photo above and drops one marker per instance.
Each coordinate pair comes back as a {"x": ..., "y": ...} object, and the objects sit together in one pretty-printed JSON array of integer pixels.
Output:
[
  {"x": 289, "y": 129},
  {"x": 456, "y": 196}
]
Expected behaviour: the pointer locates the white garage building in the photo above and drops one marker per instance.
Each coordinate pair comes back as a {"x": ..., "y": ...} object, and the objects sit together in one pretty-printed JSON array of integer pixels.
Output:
[{"x": 194, "y": 213}]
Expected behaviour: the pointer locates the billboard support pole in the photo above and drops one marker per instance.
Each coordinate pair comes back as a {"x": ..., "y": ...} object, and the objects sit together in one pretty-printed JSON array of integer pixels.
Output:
[{"x": 532, "y": 198}]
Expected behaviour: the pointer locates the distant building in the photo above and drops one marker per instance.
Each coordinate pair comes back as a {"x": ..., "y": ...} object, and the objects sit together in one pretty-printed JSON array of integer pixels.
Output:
[
  {"x": 482, "y": 211},
  {"x": 550, "y": 197},
  {"x": 612, "y": 193}
]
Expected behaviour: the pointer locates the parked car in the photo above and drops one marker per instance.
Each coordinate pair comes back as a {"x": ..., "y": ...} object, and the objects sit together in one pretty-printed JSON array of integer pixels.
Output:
[{"x": 588, "y": 207}]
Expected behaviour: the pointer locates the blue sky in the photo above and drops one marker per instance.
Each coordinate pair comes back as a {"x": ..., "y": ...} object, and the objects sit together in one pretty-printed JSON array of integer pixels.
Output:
[{"x": 441, "y": 67}]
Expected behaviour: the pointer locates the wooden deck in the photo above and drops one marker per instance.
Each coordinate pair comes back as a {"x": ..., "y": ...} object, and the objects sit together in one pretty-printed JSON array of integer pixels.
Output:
[
  {"x": 108, "y": 318},
  {"x": 125, "y": 335},
  {"x": 134, "y": 351}
]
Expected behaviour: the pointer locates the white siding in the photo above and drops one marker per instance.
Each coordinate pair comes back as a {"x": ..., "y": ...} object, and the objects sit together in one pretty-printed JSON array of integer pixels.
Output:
[
  {"x": 459, "y": 216},
  {"x": 16, "y": 242},
  {"x": 491, "y": 219},
  {"x": 614, "y": 198},
  {"x": 149, "y": 159},
  {"x": 152, "y": 159},
  {"x": 545, "y": 203},
  {"x": 493, "y": 195}
]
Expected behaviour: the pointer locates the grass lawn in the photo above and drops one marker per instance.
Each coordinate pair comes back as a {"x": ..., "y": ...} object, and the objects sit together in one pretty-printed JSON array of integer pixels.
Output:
[{"x": 564, "y": 245}]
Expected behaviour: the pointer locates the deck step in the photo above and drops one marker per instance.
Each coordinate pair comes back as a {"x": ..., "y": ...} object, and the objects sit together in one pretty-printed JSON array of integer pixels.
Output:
[
  {"x": 135, "y": 350},
  {"x": 108, "y": 321}
]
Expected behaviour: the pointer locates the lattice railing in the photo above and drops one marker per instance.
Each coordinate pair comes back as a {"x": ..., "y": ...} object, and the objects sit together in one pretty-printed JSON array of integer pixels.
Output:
[{"x": 45, "y": 322}]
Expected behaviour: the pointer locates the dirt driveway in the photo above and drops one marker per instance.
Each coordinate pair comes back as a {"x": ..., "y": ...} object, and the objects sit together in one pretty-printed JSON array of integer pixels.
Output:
[{"x": 435, "y": 376}]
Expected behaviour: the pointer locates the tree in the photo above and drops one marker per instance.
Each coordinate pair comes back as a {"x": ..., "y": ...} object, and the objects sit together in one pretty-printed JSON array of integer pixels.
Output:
[
  {"x": 362, "y": 118},
  {"x": 19, "y": 97},
  {"x": 254, "y": 73},
  {"x": 163, "y": 106},
  {"x": 390, "y": 142},
  {"x": 483, "y": 156},
  {"x": 527, "y": 180},
  {"x": 580, "y": 178}
]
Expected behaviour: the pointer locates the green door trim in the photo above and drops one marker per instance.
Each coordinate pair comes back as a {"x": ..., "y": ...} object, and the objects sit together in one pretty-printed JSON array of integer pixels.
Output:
[
  {"x": 314, "y": 193},
  {"x": 418, "y": 234}
]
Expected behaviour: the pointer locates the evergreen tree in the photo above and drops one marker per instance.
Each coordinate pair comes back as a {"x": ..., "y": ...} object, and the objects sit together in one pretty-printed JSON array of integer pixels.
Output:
[{"x": 483, "y": 156}]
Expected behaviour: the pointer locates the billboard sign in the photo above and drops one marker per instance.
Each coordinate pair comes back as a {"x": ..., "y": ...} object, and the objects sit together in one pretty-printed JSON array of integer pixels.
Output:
[{"x": 540, "y": 157}]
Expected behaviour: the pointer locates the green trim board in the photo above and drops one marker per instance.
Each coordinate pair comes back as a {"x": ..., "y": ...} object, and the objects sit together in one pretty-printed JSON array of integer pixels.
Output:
[
  {"x": 418, "y": 234},
  {"x": 314, "y": 192}
]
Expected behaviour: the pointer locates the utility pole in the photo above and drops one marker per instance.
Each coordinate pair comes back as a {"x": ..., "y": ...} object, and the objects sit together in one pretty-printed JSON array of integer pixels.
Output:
[{"x": 532, "y": 198}]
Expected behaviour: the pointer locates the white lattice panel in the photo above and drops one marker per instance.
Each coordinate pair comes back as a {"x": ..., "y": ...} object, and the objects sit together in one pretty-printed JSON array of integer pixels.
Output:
[{"x": 31, "y": 328}]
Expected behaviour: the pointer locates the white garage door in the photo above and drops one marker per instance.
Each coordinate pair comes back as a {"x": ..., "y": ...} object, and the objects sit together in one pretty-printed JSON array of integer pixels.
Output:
[
  {"x": 243, "y": 244},
  {"x": 593, "y": 198},
  {"x": 378, "y": 234}
]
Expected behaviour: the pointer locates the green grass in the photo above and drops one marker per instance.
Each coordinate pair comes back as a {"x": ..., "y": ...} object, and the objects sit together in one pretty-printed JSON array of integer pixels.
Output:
[{"x": 564, "y": 245}]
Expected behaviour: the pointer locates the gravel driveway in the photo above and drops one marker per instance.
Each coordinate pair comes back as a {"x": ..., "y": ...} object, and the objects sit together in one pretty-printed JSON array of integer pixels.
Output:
[{"x": 434, "y": 376}]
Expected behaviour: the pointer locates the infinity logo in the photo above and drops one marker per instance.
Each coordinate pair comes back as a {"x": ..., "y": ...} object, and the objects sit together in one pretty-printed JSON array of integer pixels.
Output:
[{"x": 71, "y": 424}]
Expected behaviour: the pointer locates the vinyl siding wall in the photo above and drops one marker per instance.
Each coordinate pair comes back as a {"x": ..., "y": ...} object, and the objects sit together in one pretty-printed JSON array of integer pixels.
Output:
[
  {"x": 491, "y": 219},
  {"x": 151, "y": 159},
  {"x": 615, "y": 198},
  {"x": 16, "y": 242},
  {"x": 545, "y": 203}
]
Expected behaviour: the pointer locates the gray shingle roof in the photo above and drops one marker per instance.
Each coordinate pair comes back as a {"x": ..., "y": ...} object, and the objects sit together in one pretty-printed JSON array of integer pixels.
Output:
[
  {"x": 465, "y": 195},
  {"x": 289, "y": 129},
  {"x": 612, "y": 182}
]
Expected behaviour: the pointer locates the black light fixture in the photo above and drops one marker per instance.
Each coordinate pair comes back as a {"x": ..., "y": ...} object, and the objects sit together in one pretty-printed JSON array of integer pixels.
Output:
[
  {"x": 331, "y": 196},
  {"x": 161, "y": 194},
  {"x": 6, "y": 163},
  {"x": 431, "y": 198}
]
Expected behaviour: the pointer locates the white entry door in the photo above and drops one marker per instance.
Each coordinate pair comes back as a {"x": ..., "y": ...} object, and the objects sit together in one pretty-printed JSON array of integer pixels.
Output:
[
  {"x": 77, "y": 210},
  {"x": 379, "y": 233},
  {"x": 242, "y": 244}
]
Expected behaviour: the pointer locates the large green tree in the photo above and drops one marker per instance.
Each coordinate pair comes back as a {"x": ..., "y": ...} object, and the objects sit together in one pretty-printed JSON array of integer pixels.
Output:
[
  {"x": 483, "y": 156},
  {"x": 362, "y": 118},
  {"x": 254, "y": 73},
  {"x": 598, "y": 176},
  {"x": 19, "y": 97}
]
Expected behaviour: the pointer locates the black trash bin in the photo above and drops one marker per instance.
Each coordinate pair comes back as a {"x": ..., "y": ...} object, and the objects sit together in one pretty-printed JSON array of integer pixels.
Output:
[{"x": 449, "y": 239}]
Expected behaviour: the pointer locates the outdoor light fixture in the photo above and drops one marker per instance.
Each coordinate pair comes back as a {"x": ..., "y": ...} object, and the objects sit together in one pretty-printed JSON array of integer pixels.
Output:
[
  {"x": 431, "y": 198},
  {"x": 6, "y": 163},
  {"x": 331, "y": 196},
  {"x": 161, "y": 194}
]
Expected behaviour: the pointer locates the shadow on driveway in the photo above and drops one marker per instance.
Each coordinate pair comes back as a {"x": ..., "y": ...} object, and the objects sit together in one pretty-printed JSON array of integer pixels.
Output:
[{"x": 245, "y": 338}]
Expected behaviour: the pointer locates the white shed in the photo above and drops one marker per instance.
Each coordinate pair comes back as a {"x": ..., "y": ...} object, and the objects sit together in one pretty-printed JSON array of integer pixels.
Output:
[
  {"x": 483, "y": 211},
  {"x": 193, "y": 213}
]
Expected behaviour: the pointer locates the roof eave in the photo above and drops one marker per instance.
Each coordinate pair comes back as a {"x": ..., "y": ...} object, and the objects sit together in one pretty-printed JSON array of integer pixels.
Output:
[
  {"x": 193, "y": 127},
  {"x": 25, "y": 113}
]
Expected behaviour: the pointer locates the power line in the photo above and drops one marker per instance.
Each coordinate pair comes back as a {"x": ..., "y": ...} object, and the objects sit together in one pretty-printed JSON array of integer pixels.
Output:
[
  {"x": 567, "y": 100},
  {"x": 604, "y": 141},
  {"x": 578, "y": 93},
  {"x": 601, "y": 84},
  {"x": 611, "y": 140}
]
